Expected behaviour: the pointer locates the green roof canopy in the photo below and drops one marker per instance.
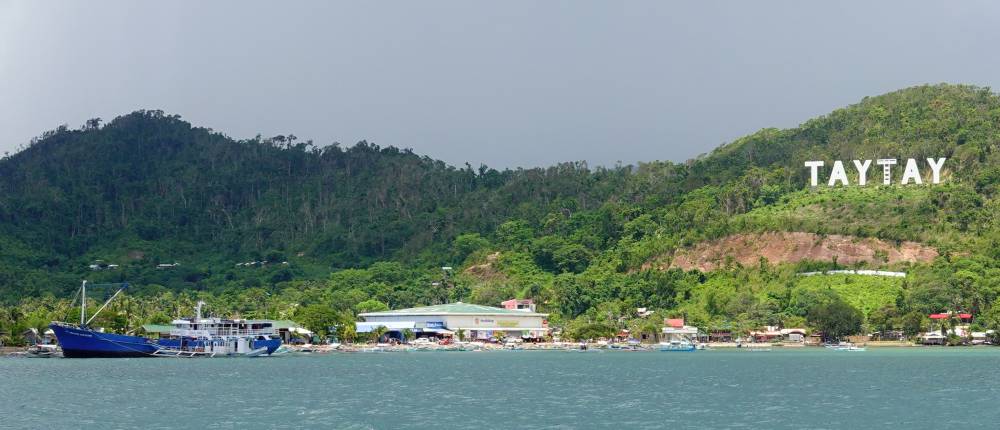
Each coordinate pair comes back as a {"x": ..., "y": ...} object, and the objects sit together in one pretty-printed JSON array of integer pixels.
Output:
[
  {"x": 157, "y": 328},
  {"x": 457, "y": 308},
  {"x": 284, "y": 324}
]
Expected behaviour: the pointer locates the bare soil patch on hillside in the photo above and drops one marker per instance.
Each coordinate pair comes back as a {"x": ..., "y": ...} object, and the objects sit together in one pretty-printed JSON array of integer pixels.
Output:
[
  {"x": 486, "y": 270},
  {"x": 791, "y": 247}
]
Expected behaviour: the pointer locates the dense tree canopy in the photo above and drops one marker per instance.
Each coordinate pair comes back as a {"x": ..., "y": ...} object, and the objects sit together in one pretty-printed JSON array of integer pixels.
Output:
[{"x": 278, "y": 227}]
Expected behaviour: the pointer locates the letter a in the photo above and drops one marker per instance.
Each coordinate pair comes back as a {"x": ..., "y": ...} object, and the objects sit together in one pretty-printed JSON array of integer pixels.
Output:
[
  {"x": 814, "y": 171},
  {"x": 862, "y": 171},
  {"x": 936, "y": 169},
  {"x": 911, "y": 172},
  {"x": 838, "y": 173}
]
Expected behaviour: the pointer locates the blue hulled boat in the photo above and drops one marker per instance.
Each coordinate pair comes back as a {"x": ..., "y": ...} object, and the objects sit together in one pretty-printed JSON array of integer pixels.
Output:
[
  {"x": 81, "y": 341},
  {"x": 84, "y": 342},
  {"x": 190, "y": 337}
]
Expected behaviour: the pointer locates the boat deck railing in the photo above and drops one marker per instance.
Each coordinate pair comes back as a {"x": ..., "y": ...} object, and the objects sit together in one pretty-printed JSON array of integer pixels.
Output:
[{"x": 221, "y": 332}]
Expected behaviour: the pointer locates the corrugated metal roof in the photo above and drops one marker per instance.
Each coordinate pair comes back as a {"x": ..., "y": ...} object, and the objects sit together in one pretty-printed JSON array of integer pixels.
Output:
[
  {"x": 283, "y": 324},
  {"x": 457, "y": 308}
]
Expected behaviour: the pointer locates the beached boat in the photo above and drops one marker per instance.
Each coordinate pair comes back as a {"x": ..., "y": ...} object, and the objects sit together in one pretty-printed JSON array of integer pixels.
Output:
[
  {"x": 192, "y": 337},
  {"x": 82, "y": 341},
  {"x": 43, "y": 351}
]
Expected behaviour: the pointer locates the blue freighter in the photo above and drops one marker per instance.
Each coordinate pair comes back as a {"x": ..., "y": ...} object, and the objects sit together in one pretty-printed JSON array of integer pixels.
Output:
[{"x": 191, "y": 337}]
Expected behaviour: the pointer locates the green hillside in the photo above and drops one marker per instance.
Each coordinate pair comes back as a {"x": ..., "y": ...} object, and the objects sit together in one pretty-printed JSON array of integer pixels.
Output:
[{"x": 331, "y": 229}]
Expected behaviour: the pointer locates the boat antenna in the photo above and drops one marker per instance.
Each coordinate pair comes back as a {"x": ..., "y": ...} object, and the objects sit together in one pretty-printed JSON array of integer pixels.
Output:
[
  {"x": 83, "y": 303},
  {"x": 123, "y": 287}
]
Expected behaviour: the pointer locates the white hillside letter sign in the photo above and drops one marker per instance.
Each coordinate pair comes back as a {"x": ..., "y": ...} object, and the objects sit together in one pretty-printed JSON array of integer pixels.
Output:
[
  {"x": 911, "y": 171},
  {"x": 886, "y": 164},
  {"x": 862, "y": 171},
  {"x": 814, "y": 171},
  {"x": 936, "y": 169},
  {"x": 838, "y": 174}
]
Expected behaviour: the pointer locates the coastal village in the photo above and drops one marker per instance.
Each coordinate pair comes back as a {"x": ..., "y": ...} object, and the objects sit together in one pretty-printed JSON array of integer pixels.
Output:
[{"x": 517, "y": 326}]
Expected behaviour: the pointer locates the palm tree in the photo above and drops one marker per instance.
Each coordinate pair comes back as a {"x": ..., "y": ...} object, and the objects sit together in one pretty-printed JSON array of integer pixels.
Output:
[{"x": 378, "y": 332}]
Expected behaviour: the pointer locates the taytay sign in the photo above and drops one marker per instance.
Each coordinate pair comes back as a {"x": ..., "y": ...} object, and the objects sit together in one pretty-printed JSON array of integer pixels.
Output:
[{"x": 911, "y": 172}]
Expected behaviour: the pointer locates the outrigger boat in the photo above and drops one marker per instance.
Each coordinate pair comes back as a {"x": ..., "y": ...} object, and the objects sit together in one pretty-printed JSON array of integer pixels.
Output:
[
  {"x": 195, "y": 337},
  {"x": 43, "y": 351},
  {"x": 211, "y": 337},
  {"x": 677, "y": 346},
  {"x": 846, "y": 346}
]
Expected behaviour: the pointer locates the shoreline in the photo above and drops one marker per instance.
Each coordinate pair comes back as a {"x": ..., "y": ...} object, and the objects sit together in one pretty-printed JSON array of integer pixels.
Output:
[{"x": 10, "y": 351}]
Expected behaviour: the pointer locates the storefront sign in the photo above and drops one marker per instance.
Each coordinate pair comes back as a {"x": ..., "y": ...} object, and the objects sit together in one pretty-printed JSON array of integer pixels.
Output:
[{"x": 911, "y": 171}]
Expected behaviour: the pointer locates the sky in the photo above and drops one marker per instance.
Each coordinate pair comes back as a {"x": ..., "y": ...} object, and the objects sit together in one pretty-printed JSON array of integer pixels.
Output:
[{"x": 507, "y": 84}]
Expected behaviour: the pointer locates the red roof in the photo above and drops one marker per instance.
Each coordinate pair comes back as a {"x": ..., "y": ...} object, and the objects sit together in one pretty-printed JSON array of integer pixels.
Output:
[
  {"x": 675, "y": 322},
  {"x": 946, "y": 316}
]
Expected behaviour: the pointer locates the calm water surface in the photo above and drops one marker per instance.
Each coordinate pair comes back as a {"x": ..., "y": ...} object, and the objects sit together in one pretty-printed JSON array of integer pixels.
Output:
[{"x": 807, "y": 388}]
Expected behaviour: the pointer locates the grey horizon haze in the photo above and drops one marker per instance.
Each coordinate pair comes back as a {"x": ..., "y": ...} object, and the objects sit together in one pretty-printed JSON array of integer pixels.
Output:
[{"x": 504, "y": 84}]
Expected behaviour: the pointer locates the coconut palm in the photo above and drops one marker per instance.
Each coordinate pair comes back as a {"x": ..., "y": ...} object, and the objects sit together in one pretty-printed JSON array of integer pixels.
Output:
[{"x": 378, "y": 332}]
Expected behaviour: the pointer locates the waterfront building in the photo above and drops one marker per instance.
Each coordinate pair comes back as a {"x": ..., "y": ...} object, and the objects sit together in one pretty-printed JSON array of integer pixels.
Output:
[
  {"x": 933, "y": 338},
  {"x": 774, "y": 334},
  {"x": 476, "y": 321},
  {"x": 674, "y": 330},
  {"x": 720, "y": 335}
]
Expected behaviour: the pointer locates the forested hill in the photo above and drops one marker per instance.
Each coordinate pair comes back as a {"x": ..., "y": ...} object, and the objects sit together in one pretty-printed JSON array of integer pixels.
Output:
[{"x": 148, "y": 188}]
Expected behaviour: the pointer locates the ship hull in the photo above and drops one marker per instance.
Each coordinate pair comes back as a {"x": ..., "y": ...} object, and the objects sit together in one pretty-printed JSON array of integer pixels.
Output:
[
  {"x": 271, "y": 345},
  {"x": 84, "y": 343},
  {"x": 198, "y": 344}
]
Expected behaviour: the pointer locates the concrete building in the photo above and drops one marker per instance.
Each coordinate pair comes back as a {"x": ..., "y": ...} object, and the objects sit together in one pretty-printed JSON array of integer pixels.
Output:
[
  {"x": 675, "y": 330},
  {"x": 519, "y": 305},
  {"x": 476, "y": 321}
]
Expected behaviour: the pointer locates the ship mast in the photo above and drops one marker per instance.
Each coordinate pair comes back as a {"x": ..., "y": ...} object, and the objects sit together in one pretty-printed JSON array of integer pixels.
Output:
[
  {"x": 83, "y": 303},
  {"x": 122, "y": 288}
]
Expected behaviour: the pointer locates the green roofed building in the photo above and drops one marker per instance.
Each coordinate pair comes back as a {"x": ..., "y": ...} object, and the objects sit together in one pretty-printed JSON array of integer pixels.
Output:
[
  {"x": 159, "y": 329},
  {"x": 478, "y": 321}
]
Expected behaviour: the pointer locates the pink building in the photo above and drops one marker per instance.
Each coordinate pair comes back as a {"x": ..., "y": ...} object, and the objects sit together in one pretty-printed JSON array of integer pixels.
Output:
[{"x": 526, "y": 305}]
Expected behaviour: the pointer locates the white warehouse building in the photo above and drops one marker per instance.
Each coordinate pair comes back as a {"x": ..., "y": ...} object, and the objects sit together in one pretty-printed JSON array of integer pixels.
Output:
[{"x": 477, "y": 321}]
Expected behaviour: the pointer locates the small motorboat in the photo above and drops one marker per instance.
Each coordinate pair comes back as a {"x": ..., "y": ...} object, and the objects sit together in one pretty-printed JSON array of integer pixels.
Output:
[
  {"x": 847, "y": 346},
  {"x": 677, "y": 346},
  {"x": 43, "y": 351}
]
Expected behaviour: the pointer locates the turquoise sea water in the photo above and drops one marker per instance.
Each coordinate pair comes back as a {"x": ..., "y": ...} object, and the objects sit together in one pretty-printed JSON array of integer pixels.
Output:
[{"x": 803, "y": 388}]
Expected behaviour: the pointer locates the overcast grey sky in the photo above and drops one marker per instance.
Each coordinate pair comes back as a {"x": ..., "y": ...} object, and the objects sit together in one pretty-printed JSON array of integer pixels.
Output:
[{"x": 503, "y": 83}]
